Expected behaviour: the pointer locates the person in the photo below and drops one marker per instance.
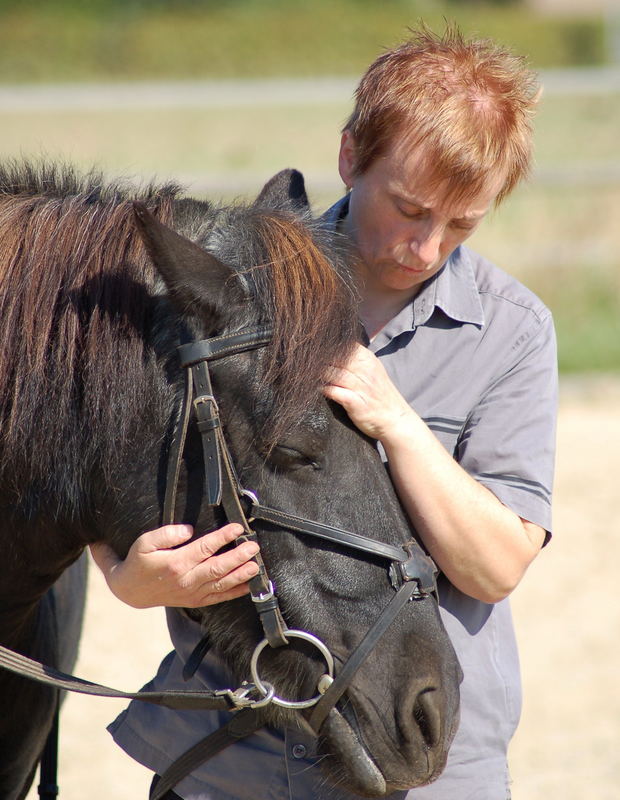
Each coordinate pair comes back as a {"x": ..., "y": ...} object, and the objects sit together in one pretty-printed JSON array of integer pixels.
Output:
[{"x": 457, "y": 383}]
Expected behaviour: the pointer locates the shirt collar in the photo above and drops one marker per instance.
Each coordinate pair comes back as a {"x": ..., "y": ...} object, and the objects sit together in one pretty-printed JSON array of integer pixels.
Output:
[
  {"x": 335, "y": 213},
  {"x": 453, "y": 289}
]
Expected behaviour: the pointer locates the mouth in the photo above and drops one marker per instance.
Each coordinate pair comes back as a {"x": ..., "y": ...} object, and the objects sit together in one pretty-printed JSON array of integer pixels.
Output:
[
  {"x": 365, "y": 778},
  {"x": 415, "y": 762},
  {"x": 411, "y": 270}
]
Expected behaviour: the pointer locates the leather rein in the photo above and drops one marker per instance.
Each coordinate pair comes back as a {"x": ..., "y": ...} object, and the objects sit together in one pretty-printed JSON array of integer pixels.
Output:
[{"x": 411, "y": 572}]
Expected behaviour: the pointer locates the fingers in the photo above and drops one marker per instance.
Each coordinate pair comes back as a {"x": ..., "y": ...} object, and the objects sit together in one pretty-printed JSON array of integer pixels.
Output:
[
  {"x": 360, "y": 372},
  {"x": 163, "y": 538},
  {"x": 205, "y": 549},
  {"x": 212, "y": 599},
  {"x": 197, "y": 574},
  {"x": 219, "y": 578},
  {"x": 159, "y": 572},
  {"x": 233, "y": 584},
  {"x": 210, "y": 543},
  {"x": 341, "y": 376},
  {"x": 229, "y": 568},
  {"x": 368, "y": 395}
]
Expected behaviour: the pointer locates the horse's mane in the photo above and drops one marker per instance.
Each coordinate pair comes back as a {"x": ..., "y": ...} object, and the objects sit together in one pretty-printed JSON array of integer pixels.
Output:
[{"x": 78, "y": 309}]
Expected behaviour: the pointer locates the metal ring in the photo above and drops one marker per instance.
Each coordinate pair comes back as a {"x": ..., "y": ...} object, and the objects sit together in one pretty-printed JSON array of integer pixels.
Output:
[
  {"x": 250, "y": 494},
  {"x": 247, "y": 493},
  {"x": 293, "y": 634}
]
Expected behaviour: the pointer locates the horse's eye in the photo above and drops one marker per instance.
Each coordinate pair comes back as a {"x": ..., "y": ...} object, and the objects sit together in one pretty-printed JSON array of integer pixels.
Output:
[{"x": 290, "y": 458}]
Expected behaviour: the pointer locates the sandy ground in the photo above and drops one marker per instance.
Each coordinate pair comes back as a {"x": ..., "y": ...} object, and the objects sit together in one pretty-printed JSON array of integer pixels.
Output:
[{"x": 567, "y": 612}]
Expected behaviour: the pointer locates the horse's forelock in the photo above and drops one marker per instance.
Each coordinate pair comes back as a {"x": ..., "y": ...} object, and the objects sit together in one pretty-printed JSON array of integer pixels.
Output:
[{"x": 308, "y": 296}]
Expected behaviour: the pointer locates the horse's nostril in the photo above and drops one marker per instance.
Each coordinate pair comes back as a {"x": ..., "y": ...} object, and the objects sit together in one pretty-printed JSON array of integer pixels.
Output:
[{"x": 426, "y": 715}]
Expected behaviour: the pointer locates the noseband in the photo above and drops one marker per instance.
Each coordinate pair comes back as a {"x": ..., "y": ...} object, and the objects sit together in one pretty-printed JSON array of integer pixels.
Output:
[{"x": 411, "y": 572}]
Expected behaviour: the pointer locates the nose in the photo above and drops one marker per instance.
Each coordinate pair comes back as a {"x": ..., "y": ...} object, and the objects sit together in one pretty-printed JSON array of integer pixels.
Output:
[
  {"x": 427, "y": 717},
  {"x": 426, "y": 722},
  {"x": 420, "y": 714},
  {"x": 426, "y": 246}
]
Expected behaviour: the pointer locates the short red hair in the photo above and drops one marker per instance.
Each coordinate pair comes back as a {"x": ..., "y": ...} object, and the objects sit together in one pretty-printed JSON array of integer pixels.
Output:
[{"x": 468, "y": 103}]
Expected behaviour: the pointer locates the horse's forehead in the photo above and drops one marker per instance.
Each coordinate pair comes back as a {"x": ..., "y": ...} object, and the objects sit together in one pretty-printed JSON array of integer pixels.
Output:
[{"x": 230, "y": 231}]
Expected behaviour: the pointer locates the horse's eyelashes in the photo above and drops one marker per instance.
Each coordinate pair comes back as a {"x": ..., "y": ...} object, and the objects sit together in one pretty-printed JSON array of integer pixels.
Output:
[{"x": 290, "y": 458}]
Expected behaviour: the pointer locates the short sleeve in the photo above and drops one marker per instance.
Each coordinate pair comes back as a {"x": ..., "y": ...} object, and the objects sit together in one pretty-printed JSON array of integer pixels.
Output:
[{"x": 508, "y": 440}]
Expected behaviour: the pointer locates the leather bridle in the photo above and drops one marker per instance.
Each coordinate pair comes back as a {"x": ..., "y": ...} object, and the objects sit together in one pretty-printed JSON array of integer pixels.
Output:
[{"x": 411, "y": 572}]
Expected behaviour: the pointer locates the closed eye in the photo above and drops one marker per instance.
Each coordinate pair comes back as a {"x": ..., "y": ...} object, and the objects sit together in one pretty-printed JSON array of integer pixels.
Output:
[
  {"x": 290, "y": 458},
  {"x": 465, "y": 225},
  {"x": 413, "y": 213}
]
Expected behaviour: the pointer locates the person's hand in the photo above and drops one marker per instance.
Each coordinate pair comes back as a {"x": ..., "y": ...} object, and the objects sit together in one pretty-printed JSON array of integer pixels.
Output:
[
  {"x": 157, "y": 572},
  {"x": 365, "y": 391}
]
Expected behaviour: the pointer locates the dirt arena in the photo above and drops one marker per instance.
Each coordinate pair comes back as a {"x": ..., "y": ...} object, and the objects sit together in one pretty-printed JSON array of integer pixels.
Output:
[{"x": 567, "y": 613}]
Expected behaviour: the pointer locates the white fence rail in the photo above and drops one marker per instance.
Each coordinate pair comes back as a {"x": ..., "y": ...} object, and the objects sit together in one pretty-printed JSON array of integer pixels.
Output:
[
  {"x": 285, "y": 92},
  {"x": 240, "y": 93}
]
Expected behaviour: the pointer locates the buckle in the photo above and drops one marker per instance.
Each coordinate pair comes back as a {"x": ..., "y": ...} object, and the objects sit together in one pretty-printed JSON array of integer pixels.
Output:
[
  {"x": 417, "y": 567},
  {"x": 241, "y": 697},
  {"x": 203, "y": 399},
  {"x": 263, "y": 597},
  {"x": 248, "y": 500}
]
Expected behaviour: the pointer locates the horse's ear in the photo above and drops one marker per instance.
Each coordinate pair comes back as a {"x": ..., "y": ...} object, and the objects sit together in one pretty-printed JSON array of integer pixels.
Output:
[
  {"x": 286, "y": 190},
  {"x": 194, "y": 277}
]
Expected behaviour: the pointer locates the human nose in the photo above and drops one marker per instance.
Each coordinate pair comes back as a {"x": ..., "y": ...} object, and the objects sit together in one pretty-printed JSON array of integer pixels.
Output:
[{"x": 427, "y": 244}]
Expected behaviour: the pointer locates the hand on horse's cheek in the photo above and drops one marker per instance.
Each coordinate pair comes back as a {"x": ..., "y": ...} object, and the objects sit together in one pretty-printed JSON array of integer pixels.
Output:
[{"x": 366, "y": 392}]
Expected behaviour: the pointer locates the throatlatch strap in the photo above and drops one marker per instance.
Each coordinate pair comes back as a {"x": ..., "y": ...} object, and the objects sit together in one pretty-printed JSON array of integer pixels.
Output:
[
  {"x": 261, "y": 589},
  {"x": 175, "y": 455},
  {"x": 208, "y": 422}
]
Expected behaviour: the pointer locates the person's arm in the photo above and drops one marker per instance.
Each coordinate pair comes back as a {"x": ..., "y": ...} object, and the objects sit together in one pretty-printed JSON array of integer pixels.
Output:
[
  {"x": 482, "y": 546},
  {"x": 164, "y": 568}
]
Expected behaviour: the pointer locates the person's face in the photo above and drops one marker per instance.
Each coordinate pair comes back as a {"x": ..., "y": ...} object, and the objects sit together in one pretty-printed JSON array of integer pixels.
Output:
[{"x": 403, "y": 226}]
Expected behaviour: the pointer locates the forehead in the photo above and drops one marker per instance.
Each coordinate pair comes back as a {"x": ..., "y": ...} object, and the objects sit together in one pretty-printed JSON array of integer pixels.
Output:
[{"x": 409, "y": 172}]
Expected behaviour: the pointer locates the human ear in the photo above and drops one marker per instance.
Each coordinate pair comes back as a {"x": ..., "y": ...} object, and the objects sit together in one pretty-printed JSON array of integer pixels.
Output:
[{"x": 347, "y": 158}]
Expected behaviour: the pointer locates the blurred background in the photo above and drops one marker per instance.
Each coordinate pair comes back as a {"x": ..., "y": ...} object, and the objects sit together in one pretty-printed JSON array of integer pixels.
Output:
[{"x": 219, "y": 95}]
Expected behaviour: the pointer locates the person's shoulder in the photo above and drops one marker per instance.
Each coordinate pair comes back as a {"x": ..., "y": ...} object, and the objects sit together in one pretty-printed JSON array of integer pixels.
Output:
[{"x": 501, "y": 292}]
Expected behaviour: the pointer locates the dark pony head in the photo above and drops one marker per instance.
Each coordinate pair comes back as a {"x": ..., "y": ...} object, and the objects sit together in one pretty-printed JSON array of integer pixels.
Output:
[
  {"x": 82, "y": 312},
  {"x": 90, "y": 388}
]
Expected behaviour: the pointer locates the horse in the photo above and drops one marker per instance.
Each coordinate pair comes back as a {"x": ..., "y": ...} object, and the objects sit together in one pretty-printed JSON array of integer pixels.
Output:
[{"x": 95, "y": 297}]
